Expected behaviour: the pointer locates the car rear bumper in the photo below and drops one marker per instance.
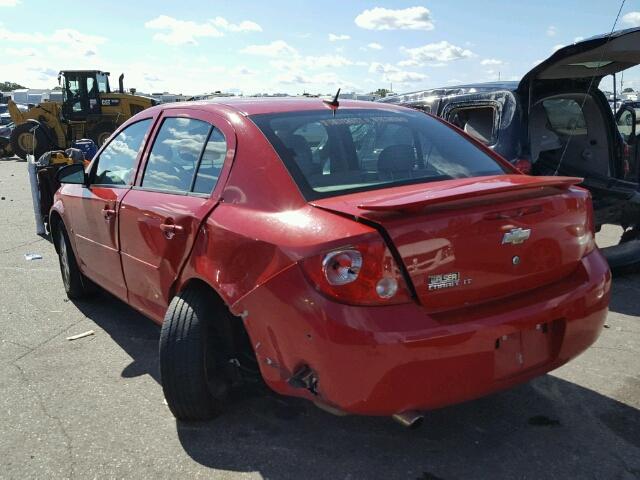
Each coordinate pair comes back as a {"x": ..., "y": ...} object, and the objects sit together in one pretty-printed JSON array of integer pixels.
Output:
[{"x": 391, "y": 359}]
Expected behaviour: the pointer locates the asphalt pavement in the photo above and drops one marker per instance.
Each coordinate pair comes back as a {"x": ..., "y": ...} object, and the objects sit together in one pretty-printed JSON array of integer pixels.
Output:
[{"x": 93, "y": 407}]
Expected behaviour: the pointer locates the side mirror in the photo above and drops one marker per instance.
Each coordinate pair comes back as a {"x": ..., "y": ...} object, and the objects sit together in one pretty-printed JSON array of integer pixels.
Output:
[{"x": 73, "y": 174}]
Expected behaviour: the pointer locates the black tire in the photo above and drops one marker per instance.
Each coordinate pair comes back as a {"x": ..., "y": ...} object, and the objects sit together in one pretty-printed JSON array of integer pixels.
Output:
[
  {"x": 25, "y": 141},
  {"x": 5, "y": 148},
  {"x": 75, "y": 283},
  {"x": 192, "y": 358},
  {"x": 101, "y": 132}
]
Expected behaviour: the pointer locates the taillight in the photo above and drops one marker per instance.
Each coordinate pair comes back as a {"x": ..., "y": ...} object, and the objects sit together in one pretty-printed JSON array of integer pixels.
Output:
[
  {"x": 591, "y": 227},
  {"x": 364, "y": 273},
  {"x": 523, "y": 165}
]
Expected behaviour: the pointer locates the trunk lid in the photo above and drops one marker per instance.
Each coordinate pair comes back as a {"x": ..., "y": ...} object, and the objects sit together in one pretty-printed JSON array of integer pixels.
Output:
[{"x": 468, "y": 241}]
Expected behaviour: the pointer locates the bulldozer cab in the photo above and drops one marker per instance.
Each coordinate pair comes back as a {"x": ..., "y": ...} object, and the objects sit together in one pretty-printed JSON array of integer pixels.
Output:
[{"x": 81, "y": 91}]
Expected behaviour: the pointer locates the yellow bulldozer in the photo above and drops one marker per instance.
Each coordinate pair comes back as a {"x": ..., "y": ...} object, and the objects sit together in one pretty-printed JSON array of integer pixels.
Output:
[{"x": 89, "y": 109}]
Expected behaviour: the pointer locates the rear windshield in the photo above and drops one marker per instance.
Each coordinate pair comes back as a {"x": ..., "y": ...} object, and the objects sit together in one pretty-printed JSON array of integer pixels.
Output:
[{"x": 358, "y": 150}]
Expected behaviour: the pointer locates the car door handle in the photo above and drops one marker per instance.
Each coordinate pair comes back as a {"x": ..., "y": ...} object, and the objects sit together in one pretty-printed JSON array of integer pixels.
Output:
[
  {"x": 108, "y": 213},
  {"x": 170, "y": 230}
]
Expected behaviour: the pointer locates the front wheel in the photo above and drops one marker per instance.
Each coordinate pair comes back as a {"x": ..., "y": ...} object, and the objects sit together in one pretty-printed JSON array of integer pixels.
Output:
[
  {"x": 75, "y": 283},
  {"x": 30, "y": 138}
]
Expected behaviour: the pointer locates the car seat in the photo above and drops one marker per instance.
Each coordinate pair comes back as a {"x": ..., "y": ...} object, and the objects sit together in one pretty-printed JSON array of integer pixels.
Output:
[{"x": 396, "y": 161}]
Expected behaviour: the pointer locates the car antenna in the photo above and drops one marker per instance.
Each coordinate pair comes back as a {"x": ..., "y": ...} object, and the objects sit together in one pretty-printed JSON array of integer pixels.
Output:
[{"x": 334, "y": 104}]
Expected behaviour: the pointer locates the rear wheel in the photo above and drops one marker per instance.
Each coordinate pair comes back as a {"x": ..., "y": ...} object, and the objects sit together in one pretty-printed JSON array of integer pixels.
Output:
[
  {"x": 75, "y": 283},
  {"x": 101, "y": 133},
  {"x": 30, "y": 138},
  {"x": 193, "y": 356}
]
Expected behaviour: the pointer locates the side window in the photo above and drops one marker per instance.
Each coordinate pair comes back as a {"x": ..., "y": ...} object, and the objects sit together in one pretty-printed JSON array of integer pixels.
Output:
[
  {"x": 175, "y": 162},
  {"x": 211, "y": 163},
  {"x": 478, "y": 122},
  {"x": 117, "y": 160},
  {"x": 625, "y": 124},
  {"x": 565, "y": 116},
  {"x": 174, "y": 156}
]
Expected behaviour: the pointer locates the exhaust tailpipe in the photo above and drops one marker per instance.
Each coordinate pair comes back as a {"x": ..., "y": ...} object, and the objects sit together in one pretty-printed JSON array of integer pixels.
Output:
[{"x": 411, "y": 419}]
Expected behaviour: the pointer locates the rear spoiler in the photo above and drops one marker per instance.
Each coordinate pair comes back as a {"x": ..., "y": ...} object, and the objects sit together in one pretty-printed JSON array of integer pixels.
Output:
[{"x": 471, "y": 190}]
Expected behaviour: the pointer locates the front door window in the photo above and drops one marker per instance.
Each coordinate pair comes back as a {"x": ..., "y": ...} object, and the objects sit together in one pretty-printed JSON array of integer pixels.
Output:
[{"x": 117, "y": 161}]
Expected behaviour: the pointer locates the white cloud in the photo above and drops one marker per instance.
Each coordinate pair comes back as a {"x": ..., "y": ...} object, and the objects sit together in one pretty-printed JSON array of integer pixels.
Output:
[
  {"x": 435, "y": 52},
  {"x": 551, "y": 31},
  {"x": 243, "y": 71},
  {"x": 186, "y": 32},
  {"x": 631, "y": 19},
  {"x": 312, "y": 62},
  {"x": 21, "y": 52},
  {"x": 319, "y": 81},
  {"x": 66, "y": 40},
  {"x": 491, "y": 61},
  {"x": 276, "y": 48},
  {"x": 336, "y": 38},
  {"x": 293, "y": 78},
  {"x": 409, "y": 63},
  {"x": 244, "y": 26},
  {"x": 374, "y": 46},
  {"x": 9, "y": 3},
  {"x": 181, "y": 32},
  {"x": 412, "y": 18},
  {"x": 578, "y": 39},
  {"x": 557, "y": 47},
  {"x": 391, "y": 73}
]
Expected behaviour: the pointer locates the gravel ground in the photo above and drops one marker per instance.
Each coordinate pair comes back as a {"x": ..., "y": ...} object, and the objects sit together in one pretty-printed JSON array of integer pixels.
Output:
[{"x": 93, "y": 408}]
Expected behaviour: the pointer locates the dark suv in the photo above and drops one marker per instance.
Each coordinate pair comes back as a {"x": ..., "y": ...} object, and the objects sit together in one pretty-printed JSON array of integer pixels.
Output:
[{"x": 556, "y": 121}]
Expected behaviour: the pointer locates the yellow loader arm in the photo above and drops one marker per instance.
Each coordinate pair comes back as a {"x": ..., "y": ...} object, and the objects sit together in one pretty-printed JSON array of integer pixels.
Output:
[{"x": 16, "y": 115}]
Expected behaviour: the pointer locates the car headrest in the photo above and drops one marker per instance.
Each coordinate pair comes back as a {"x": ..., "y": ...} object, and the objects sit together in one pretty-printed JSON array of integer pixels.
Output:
[
  {"x": 397, "y": 158},
  {"x": 302, "y": 153}
]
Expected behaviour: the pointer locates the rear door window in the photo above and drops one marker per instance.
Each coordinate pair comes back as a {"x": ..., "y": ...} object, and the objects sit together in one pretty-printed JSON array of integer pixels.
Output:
[
  {"x": 187, "y": 156},
  {"x": 211, "y": 164},
  {"x": 117, "y": 161}
]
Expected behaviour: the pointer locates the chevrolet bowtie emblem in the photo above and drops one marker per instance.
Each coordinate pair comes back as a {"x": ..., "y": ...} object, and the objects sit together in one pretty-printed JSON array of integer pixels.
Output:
[{"x": 516, "y": 236}]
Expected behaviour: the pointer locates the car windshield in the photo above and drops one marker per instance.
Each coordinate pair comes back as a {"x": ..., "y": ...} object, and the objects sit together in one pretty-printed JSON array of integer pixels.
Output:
[{"x": 356, "y": 150}]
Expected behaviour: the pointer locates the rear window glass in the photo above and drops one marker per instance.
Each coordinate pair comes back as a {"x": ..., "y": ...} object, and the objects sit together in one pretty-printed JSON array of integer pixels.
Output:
[{"x": 359, "y": 150}]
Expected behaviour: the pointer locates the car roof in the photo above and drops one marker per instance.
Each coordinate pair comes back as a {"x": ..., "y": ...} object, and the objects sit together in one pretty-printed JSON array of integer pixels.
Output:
[{"x": 256, "y": 105}]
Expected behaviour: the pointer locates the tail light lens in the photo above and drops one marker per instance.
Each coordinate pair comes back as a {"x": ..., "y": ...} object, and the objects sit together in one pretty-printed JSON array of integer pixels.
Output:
[
  {"x": 360, "y": 274},
  {"x": 591, "y": 227},
  {"x": 523, "y": 165}
]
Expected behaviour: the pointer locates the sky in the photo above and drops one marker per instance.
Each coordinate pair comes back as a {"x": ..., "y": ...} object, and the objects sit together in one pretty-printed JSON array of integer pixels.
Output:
[{"x": 251, "y": 46}]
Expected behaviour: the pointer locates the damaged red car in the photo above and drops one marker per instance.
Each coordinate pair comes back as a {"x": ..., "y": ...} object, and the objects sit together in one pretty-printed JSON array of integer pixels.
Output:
[{"x": 366, "y": 257}]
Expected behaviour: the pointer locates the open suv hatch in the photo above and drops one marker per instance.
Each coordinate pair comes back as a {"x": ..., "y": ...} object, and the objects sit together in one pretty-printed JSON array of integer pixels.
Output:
[{"x": 556, "y": 121}]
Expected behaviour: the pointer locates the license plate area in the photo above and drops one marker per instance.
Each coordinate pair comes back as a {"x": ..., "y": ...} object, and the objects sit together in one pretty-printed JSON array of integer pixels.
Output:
[{"x": 526, "y": 348}]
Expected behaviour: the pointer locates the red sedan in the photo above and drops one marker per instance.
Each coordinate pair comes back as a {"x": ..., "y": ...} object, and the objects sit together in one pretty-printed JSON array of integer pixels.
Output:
[{"x": 367, "y": 257}]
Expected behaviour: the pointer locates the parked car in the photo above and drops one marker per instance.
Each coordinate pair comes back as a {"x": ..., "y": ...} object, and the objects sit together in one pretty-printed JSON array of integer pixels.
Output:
[
  {"x": 556, "y": 121},
  {"x": 366, "y": 257}
]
